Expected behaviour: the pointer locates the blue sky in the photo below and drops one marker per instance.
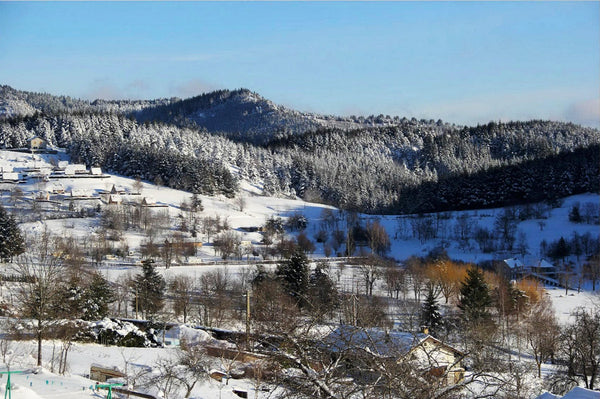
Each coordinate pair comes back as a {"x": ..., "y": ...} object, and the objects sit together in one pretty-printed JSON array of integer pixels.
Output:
[{"x": 463, "y": 62}]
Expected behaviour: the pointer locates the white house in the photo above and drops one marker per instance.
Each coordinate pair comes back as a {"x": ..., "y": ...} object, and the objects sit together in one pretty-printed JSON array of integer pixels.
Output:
[{"x": 426, "y": 352}]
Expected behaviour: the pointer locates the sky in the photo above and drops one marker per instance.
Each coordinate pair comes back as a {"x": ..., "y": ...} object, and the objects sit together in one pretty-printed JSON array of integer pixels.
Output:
[{"x": 462, "y": 62}]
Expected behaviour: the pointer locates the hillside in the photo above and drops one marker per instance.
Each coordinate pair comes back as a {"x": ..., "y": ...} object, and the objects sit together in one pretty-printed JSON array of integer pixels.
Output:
[{"x": 393, "y": 166}]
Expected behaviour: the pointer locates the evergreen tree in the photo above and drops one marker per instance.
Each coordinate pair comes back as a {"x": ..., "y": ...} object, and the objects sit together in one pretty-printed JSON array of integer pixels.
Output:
[
  {"x": 148, "y": 290},
  {"x": 430, "y": 314},
  {"x": 98, "y": 295},
  {"x": 574, "y": 214},
  {"x": 322, "y": 292},
  {"x": 293, "y": 273},
  {"x": 11, "y": 241},
  {"x": 475, "y": 298}
]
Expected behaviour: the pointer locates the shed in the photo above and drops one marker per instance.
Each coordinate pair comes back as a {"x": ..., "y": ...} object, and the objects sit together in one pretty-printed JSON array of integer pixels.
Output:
[{"x": 101, "y": 373}]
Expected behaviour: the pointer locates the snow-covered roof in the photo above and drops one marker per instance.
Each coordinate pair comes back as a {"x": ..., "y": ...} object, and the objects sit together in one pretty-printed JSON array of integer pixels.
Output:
[
  {"x": 513, "y": 263},
  {"x": 115, "y": 199},
  {"x": 581, "y": 393},
  {"x": 78, "y": 192},
  {"x": 543, "y": 264},
  {"x": 10, "y": 176},
  {"x": 548, "y": 395},
  {"x": 96, "y": 171},
  {"x": 375, "y": 340},
  {"x": 149, "y": 201}
]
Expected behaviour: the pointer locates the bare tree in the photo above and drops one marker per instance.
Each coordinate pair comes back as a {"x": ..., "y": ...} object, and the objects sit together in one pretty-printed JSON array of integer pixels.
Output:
[
  {"x": 542, "y": 332},
  {"x": 182, "y": 289},
  {"x": 42, "y": 272}
]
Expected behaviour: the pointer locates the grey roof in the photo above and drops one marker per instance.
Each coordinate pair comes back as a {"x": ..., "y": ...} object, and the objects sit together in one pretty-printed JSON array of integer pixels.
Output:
[{"x": 374, "y": 340}]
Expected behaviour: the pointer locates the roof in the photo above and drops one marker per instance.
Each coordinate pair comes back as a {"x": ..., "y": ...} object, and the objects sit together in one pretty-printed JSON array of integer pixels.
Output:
[
  {"x": 543, "y": 264},
  {"x": 575, "y": 393},
  {"x": 581, "y": 393},
  {"x": 513, "y": 263},
  {"x": 384, "y": 343}
]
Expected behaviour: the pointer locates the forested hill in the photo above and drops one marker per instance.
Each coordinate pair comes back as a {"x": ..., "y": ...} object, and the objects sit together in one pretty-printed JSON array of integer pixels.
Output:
[{"x": 396, "y": 166}]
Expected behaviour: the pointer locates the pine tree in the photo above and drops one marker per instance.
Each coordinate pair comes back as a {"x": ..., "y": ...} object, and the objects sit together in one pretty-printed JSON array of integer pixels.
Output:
[
  {"x": 98, "y": 295},
  {"x": 475, "y": 298},
  {"x": 293, "y": 273},
  {"x": 430, "y": 314},
  {"x": 149, "y": 290},
  {"x": 11, "y": 241}
]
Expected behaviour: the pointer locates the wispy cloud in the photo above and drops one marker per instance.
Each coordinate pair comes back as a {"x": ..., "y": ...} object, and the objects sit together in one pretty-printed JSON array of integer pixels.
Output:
[
  {"x": 585, "y": 112},
  {"x": 191, "y": 88}
]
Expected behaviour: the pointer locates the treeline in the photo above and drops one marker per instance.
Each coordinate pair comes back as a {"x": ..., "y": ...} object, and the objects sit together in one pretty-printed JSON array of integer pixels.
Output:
[{"x": 532, "y": 181}]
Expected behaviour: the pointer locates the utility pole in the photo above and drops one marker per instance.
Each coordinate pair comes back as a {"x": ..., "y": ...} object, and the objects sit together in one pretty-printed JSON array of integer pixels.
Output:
[
  {"x": 247, "y": 320},
  {"x": 136, "y": 303}
]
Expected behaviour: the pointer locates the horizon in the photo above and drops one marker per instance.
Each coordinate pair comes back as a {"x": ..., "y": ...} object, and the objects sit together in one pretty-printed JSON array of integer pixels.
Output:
[{"x": 464, "y": 63}]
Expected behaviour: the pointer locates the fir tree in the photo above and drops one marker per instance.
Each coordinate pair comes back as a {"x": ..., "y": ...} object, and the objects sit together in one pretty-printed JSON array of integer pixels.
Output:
[
  {"x": 293, "y": 273},
  {"x": 11, "y": 241},
  {"x": 475, "y": 298},
  {"x": 430, "y": 314},
  {"x": 149, "y": 290},
  {"x": 98, "y": 295}
]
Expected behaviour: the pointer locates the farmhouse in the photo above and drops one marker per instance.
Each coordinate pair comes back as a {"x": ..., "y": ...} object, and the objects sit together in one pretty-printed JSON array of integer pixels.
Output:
[
  {"x": 427, "y": 353},
  {"x": 37, "y": 143}
]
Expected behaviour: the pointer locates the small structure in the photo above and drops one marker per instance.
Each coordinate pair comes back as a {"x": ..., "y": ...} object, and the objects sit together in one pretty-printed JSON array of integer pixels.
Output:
[
  {"x": 37, "y": 143},
  {"x": 77, "y": 193},
  {"x": 148, "y": 201},
  {"x": 96, "y": 171},
  {"x": 11, "y": 177},
  {"x": 117, "y": 190},
  {"x": 57, "y": 188},
  {"x": 75, "y": 169},
  {"x": 102, "y": 374},
  {"x": 115, "y": 199}
]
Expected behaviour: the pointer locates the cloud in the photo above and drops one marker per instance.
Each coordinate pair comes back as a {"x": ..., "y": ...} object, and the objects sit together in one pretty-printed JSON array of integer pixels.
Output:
[
  {"x": 191, "y": 88},
  {"x": 585, "y": 112},
  {"x": 103, "y": 89}
]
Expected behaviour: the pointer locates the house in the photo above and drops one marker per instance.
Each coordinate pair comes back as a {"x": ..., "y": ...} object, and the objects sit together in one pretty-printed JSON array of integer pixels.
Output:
[
  {"x": 37, "y": 143},
  {"x": 514, "y": 268},
  {"x": 115, "y": 199},
  {"x": 117, "y": 190},
  {"x": 428, "y": 354},
  {"x": 148, "y": 201}
]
